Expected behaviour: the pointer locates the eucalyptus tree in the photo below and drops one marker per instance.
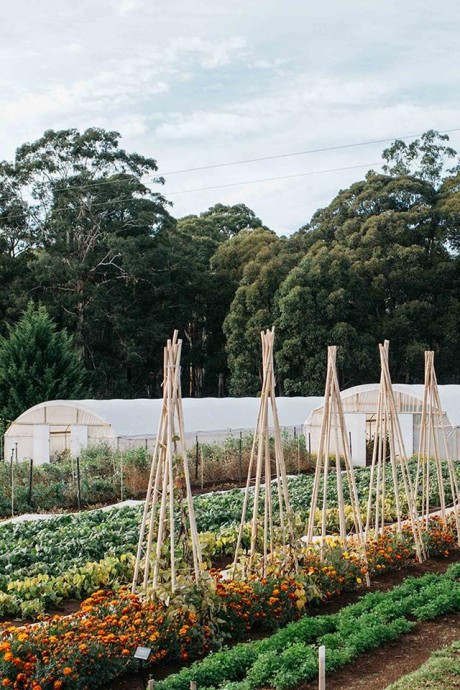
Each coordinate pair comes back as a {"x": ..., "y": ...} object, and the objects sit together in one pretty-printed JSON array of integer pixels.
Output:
[
  {"x": 94, "y": 217},
  {"x": 380, "y": 267}
]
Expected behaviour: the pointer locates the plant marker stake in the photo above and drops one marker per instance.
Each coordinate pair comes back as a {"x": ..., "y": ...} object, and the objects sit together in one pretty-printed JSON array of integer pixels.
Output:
[
  {"x": 31, "y": 471},
  {"x": 121, "y": 478},
  {"x": 197, "y": 458},
  {"x": 322, "y": 668},
  {"x": 78, "y": 484},
  {"x": 193, "y": 685},
  {"x": 202, "y": 470},
  {"x": 12, "y": 484},
  {"x": 240, "y": 459},
  {"x": 151, "y": 684}
]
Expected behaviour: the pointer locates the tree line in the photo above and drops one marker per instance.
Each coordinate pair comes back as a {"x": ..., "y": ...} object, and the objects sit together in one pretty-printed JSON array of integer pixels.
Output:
[{"x": 88, "y": 242}]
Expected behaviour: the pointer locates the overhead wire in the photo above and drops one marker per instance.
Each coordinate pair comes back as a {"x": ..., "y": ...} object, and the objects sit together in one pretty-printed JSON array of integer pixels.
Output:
[
  {"x": 303, "y": 153},
  {"x": 213, "y": 166},
  {"x": 234, "y": 184},
  {"x": 271, "y": 179},
  {"x": 166, "y": 194}
]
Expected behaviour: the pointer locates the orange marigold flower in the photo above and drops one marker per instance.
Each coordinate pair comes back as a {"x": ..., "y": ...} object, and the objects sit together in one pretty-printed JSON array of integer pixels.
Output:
[{"x": 67, "y": 670}]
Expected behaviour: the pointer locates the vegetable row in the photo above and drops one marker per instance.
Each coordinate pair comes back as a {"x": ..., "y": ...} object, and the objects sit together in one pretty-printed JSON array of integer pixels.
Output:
[
  {"x": 290, "y": 656},
  {"x": 47, "y": 546},
  {"x": 61, "y": 652}
]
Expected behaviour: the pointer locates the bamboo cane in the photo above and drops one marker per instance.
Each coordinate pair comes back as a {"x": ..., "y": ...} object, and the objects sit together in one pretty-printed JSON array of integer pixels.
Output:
[
  {"x": 260, "y": 465},
  {"x": 333, "y": 429},
  {"x": 168, "y": 461}
]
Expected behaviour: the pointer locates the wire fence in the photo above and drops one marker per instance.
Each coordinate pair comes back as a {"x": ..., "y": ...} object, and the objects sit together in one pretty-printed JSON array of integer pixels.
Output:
[{"x": 101, "y": 474}]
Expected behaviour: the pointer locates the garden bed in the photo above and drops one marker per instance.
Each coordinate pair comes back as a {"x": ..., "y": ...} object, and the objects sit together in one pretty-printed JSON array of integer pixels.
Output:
[{"x": 446, "y": 628}]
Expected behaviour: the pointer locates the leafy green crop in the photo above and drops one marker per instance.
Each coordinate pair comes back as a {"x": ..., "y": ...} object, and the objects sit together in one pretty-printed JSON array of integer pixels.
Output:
[
  {"x": 51, "y": 547},
  {"x": 290, "y": 656}
]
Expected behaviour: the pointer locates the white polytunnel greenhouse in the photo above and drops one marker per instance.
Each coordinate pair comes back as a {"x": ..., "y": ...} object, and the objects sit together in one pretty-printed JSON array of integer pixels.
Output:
[
  {"x": 50, "y": 428},
  {"x": 360, "y": 409}
]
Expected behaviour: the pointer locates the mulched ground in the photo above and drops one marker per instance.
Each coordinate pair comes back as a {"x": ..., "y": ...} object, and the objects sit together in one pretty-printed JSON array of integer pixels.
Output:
[{"x": 378, "y": 668}]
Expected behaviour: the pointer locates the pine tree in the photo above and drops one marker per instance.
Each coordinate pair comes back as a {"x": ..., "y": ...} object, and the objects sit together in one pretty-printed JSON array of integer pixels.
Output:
[{"x": 37, "y": 363}]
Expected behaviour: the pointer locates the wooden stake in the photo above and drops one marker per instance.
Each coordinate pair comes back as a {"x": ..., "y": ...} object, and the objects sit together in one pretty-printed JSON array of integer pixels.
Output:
[
  {"x": 388, "y": 427},
  {"x": 333, "y": 429},
  {"x": 169, "y": 471},
  {"x": 260, "y": 465}
]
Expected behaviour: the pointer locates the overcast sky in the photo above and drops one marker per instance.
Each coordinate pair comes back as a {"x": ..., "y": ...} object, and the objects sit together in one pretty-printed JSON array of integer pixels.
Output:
[{"x": 201, "y": 82}]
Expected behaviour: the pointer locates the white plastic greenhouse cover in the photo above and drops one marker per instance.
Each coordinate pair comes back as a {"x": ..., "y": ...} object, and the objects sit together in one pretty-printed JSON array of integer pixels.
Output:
[
  {"x": 140, "y": 417},
  {"x": 449, "y": 394}
]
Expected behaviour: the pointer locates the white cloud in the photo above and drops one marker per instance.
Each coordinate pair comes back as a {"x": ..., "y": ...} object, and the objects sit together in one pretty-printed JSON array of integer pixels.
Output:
[
  {"x": 74, "y": 48},
  {"x": 209, "y": 54},
  {"x": 205, "y": 125},
  {"x": 192, "y": 82},
  {"x": 123, "y": 7},
  {"x": 301, "y": 97}
]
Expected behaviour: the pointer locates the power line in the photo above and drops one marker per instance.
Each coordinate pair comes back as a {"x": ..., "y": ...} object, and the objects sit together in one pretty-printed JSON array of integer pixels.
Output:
[
  {"x": 244, "y": 161},
  {"x": 271, "y": 179},
  {"x": 232, "y": 184},
  {"x": 302, "y": 153}
]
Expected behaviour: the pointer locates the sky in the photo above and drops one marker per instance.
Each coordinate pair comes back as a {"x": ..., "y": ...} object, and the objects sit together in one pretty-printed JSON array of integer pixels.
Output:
[{"x": 196, "y": 83}]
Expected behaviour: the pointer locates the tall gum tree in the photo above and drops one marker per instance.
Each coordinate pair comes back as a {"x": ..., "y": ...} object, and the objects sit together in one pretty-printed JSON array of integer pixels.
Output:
[
  {"x": 205, "y": 293},
  {"x": 94, "y": 218},
  {"x": 253, "y": 309},
  {"x": 380, "y": 249}
]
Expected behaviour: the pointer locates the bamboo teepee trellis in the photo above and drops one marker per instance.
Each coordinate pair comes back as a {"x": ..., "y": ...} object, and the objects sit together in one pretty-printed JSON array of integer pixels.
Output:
[
  {"x": 333, "y": 443},
  {"x": 432, "y": 435},
  {"x": 260, "y": 464},
  {"x": 388, "y": 441},
  {"x": 168, "y": 517}
]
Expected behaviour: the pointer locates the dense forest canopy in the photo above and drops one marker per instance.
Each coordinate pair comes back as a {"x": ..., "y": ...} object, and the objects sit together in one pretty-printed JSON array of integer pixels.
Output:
[{"x": 87, "y": 238}]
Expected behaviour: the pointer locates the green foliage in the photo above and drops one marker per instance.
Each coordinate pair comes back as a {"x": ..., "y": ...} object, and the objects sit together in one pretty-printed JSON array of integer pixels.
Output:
[
  {"x": 289, "y": 657},
  {"x": 424, "y": 158},
  {"x": 32, "y": 596},
  {"x": 368, "y": 275},
  {"x": 50, "y": 547},
  {"x": 85, "y": 231},
  {"x": 37, "y": 362},
  {"x": 54, "y": 485},
  {"x": 253, "y": 308}
]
